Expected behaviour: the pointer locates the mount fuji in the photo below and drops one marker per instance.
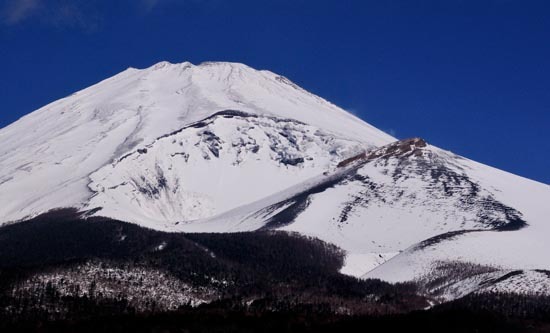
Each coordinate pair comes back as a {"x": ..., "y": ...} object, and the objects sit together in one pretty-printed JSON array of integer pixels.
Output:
[{"x": 224, "y": 148}]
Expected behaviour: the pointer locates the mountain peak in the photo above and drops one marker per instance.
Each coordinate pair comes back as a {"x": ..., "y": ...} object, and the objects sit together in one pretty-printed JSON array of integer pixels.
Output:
[
  {"x": 98, "y": 125},
  {"x": 205, "y": 64}
]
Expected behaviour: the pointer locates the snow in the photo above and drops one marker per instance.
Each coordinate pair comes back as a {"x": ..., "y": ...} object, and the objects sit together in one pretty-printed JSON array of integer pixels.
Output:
[
  {"x": 358, "y": 264},
  {"x": 253, "y": 216}
]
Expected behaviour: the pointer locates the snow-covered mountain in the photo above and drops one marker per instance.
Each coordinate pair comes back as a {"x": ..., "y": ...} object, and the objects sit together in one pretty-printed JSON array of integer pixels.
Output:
[{"x": 221, "y": 147}]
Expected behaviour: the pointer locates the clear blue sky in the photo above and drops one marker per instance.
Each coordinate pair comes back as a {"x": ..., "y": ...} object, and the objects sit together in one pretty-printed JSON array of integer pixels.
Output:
[{"x": 469, "y": 76}]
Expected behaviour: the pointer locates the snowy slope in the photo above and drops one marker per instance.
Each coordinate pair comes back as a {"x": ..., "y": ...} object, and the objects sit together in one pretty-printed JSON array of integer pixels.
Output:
[
  {"x": 526, "y": 248},
  {"x": 47, "y": 157}
]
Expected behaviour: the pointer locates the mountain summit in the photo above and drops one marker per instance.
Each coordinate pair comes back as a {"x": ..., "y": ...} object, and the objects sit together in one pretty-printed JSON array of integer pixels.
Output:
[{"x": 48, "y": 156}]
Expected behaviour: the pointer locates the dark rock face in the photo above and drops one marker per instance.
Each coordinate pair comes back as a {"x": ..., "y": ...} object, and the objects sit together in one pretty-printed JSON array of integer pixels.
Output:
[
  {"x": 443, "y": 237},
  {"x": 400, "y": 148},
  {"x": 396, "y": 149},
  {"x": 212, "y": 142},
  {"x": 350, "y": 160}
]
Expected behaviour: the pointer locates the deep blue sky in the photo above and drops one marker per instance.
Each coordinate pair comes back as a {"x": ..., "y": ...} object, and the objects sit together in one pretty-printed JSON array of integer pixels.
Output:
[{"x": 469, "y": 76}]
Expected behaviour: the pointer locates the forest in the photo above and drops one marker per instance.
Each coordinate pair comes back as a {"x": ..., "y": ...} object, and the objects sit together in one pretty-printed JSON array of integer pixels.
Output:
[{"x": 63, "y": 271}]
